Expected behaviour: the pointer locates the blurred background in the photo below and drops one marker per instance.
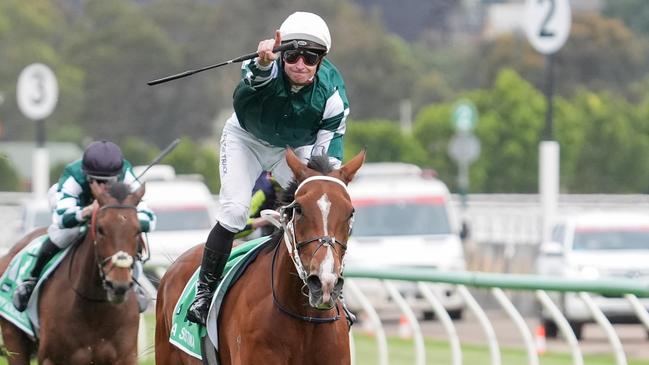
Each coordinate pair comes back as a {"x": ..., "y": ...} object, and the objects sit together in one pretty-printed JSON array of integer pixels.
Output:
[
  {"x": 410, "y": 67},
  {"x": 406, "y": 64}
]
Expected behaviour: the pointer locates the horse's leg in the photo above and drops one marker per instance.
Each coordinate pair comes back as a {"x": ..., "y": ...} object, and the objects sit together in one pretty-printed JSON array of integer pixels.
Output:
[
  {"x": 169, "y": 290},
  {"x": 17, "y": 345}
]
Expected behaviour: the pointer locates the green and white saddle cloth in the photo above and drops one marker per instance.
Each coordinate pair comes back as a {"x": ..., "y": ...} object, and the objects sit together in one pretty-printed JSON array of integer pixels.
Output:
[
  {"x": 186, "y": 335},
  {"x": 19, "y": 268}
]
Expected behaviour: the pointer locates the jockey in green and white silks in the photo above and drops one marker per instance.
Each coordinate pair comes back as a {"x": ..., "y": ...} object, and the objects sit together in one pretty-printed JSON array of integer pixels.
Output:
[
  {"x": 297, "y": 100},
  {"x": 72, "y": 203}
]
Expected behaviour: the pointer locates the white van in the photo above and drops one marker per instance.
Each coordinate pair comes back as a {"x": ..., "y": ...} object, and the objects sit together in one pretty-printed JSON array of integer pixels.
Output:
[
  {"x": 594, "y": 245},
  {"x": 405, "y": 218}
]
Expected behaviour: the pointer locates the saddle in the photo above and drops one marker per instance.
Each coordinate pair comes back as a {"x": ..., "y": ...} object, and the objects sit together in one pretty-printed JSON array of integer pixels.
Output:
[{"x": 189, "y": 336}]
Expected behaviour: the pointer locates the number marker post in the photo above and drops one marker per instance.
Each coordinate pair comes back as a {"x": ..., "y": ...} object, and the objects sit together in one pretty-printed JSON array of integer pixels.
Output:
[
  {"x": 37, "y": 94},
  {"x": 547, "y": 29}
]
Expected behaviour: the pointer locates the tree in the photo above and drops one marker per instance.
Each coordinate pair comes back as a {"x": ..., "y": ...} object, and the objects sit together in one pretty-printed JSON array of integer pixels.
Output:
[
  {"x": 511, "y": 121},
  {"x": 384, "y": 141},
  {"x": 9, "y": 180},
  {"x": 634, "y": 13},
  {"x": 34, "y": 31},
  {"x": 190, "y": 158}
]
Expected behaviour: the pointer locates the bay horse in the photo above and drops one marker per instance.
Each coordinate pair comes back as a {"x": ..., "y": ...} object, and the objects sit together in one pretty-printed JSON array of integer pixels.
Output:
[
  {"x": 88, "y": 313},
  {"x": 284, "y": 309}
]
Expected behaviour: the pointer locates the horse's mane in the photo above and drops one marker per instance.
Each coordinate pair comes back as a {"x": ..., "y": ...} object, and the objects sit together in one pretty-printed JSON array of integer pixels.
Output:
[
  {"x": 119, "y": 191},
  {"x": 319, "y": 163}
]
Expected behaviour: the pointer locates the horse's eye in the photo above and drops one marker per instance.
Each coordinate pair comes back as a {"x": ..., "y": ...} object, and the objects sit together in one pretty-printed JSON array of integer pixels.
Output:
[
  {"x": 100, "y": 230},
  {"x": 297, "y": 210}
]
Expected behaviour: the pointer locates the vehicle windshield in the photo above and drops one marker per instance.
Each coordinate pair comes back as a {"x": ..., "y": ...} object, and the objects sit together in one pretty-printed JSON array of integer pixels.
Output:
[
  {"x": 182, "y": 218},
  {"x": 618, "y": 239},
  {"x": 401, "y": 218}
]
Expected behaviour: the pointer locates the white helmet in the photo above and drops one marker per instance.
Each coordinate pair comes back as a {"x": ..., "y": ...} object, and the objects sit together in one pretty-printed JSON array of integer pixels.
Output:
[{"x": 306, "y": 26}]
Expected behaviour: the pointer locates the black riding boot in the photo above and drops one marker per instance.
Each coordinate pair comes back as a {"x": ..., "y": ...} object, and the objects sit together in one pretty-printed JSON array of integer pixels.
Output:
[
  {"x": 24, "y": 291},
  {"x": 215, "y": 256}
]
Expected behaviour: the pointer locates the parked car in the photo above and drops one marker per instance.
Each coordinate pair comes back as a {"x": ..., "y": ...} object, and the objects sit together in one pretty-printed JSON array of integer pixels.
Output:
[
  {"x": 595, "y": 245},
  {"x": 404, "y": 218},
  {"x": 186, "y": 212}
]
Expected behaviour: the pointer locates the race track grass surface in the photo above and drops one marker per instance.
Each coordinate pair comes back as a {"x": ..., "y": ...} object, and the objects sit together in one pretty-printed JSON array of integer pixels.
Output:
[{"x": 401, "y": 352}]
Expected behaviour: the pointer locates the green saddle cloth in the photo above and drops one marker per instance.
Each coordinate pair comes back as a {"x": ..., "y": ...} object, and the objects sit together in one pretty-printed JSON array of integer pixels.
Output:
[
  {"x": 187, "y": 335},
  {"x": 19, "y": 269}
]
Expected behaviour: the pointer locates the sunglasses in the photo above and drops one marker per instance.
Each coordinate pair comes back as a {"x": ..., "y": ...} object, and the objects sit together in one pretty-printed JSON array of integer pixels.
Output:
[{"x": 310, "y": 58}]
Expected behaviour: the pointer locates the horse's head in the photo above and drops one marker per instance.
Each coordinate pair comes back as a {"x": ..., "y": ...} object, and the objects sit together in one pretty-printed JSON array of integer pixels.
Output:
[
  {"x": 116, "y": 232},
  {"x": 317, "y": 224}
]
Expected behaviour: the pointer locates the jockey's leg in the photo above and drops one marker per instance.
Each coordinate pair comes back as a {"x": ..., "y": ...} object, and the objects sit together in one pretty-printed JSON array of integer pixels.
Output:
[
  {"x": 57, "y": 240},
  {"x": 239, "y": 167},
  {"x": 215, "y": 256},
  {"x": 143, "y": 298}
]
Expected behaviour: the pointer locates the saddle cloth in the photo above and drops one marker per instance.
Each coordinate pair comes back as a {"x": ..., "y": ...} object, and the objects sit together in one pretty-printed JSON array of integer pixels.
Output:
[
  {"x": 19, "y": 268},
  {"x": 187, "y": 336}
]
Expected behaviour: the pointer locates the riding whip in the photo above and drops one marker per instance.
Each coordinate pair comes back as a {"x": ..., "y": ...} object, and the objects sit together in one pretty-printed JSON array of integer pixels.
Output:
[
  {"x": 284, "y": 47},
  {"x": 162, "y": 155}
]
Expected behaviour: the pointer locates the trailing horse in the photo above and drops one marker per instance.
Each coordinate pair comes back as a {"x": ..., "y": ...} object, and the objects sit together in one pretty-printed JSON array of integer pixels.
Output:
[
  {"x": 285, "y": 307},
  {"x": 87, "y": 312}
]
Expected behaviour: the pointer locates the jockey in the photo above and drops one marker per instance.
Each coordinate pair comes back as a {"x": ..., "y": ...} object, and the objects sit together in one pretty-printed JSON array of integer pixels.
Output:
[
  {"x": 73, "y": 205},
  {"x": 297, "y": 100}
]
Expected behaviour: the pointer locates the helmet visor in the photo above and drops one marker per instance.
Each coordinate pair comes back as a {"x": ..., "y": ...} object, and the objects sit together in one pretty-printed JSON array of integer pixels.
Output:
[{"x": 103, "y": 179}]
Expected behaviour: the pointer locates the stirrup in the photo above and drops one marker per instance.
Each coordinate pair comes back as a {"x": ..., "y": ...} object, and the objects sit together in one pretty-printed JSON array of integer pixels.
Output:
[{"x": 23, "y": 292}]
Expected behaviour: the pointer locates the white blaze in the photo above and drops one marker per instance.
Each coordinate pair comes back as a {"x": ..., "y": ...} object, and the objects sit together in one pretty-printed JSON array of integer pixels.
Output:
[
  {"x": 324, "y": 204},
  {"x": 327, "y": 276}
]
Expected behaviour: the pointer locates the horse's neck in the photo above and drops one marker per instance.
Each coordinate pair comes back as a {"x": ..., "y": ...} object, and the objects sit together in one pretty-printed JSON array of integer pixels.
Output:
[{"x": 83, "y": 270}]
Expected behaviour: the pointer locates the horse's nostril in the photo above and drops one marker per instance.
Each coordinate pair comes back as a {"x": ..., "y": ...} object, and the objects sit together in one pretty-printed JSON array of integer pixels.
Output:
[{"x": 314, "y": 284}]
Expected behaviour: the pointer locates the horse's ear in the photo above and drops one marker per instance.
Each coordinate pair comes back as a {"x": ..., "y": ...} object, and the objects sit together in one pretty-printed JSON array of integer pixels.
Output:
[
  {"x": 348, "y": 170},
  {"x": 295, "y": 164},
  {"x": 99, "y": 192},
  {"x": 138, "y": 194}
]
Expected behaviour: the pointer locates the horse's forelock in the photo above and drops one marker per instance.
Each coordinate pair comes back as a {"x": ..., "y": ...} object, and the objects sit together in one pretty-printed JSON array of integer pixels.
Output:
[{"x": 119, "y": 191}]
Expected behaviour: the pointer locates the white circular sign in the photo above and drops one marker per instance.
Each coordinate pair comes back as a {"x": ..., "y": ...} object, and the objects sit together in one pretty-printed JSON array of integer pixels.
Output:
[
  {"x": 464, "y": 148},
  {"x": 37, "y": 91},
  {"x": 547, "y": 24}
]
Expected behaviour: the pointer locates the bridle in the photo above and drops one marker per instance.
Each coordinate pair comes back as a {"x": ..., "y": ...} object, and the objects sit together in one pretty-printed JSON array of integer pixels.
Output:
[
  {"x": 120, "y": 259},
  {"x": 287, "y": 225}
]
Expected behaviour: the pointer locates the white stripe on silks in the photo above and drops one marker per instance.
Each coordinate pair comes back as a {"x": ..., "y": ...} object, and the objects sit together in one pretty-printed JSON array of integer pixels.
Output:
[
  {"x": 66, "y": 203},
  {"x": 333, "y": 106},
  {"x": 71, "y": 187},
  {"x": 324, "y": 204}
]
